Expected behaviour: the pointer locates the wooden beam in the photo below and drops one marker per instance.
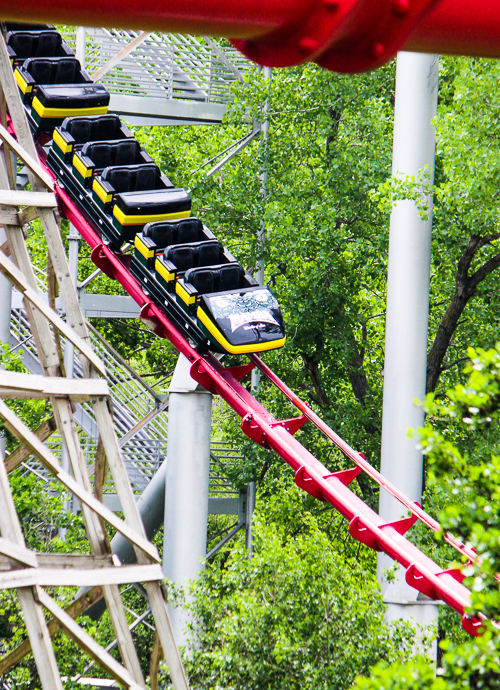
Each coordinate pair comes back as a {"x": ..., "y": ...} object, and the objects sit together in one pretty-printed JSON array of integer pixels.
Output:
[
  {"x": 26, "y": 215},
  {"x": 10, "y": 197},
  {"x": 9, "y": 550},
  {"x": 15, "y": 276},
  {"x": 32, "y": 387},
  {"x": 36, "y": 447},
  {"x": 31, "y": 162},
  {"x": 9, "y": 218},
  {"x": 63, "y": 560},
  {"x": 21, "y": 453},
  {"x": 77, "y": 608},
  {"x": 47, "y": 353},
  {"x": 83, "y": 640},
  {"x": 73, "y": 577}
]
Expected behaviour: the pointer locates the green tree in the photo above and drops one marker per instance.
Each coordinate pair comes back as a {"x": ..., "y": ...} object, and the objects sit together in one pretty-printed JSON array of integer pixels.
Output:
[
  {"x": 300, "y": 614},
  {"x": 471, "y": 481}
]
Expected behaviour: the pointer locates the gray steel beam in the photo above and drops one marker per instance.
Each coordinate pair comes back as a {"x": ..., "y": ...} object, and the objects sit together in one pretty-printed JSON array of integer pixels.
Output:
[{"x": 146, "y": 110}]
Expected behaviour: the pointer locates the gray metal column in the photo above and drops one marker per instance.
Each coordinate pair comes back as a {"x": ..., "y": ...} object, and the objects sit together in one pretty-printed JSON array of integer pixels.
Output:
[
  {"x": 81, "y": 44},
  {"x": 186, "y": 485},
  {"x": 407, "y": 312}
]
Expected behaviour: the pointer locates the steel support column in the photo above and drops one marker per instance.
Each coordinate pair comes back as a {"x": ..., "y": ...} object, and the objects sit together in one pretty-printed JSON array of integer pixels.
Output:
[
  {"x": 186, "y": 485},
  {"x": 407, "y": 312}
]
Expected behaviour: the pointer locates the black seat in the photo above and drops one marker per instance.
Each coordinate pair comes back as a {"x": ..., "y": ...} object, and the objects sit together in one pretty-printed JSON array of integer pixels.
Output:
[
  {"x": 66, "y": 71},
  {"x": 40, "y": 70},
  {"x": 182, "y": 231},
  {"x": 92, "y": 128},
  {"x": 99, "y": 154},
  {"x": 215, "y": 278},
  {"x": 104, "y": 154},
  {"x": 35, "y": 43},
  {"x": 229, "y": 277},
  {"x": 146, "y": 177},
  {"x": 48, "y": 43},
  {"x": 21, "y": 43},
  {"x": 119, "y": 178},
  {"x": 133, "y": 178},
  {"x": 126, "y": 152},
  {"x": 54, "y": 70},
  {"x": 187, "y": 256},
  {"x": 202, "y": 280},
  {"x": 181, "y": 257}
]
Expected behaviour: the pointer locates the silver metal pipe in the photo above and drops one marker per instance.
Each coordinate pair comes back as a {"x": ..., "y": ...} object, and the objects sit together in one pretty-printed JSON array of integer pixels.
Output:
[
  {"x": 407, "y": 310},
  {"x": 186, "y": 485}
]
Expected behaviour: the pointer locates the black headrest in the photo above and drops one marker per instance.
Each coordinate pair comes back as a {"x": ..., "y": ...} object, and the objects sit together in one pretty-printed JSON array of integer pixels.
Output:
[
  {"x": 118, "y": 152},
  {"x": 21, "y": 43},
  {"x": 48, "y": 43},
  {"x": 92, "y": 128},
  {"x": 55, "y": 70},
  {"x": 204, "y": 253},
  {"x": 182, "y": 231},
  {"x": 215, "y": 278}
]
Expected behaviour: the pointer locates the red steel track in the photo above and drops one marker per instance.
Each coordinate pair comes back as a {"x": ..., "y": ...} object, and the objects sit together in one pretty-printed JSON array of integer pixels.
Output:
[
  {"x": 422, "y": 573},
  {"x": 341, "y": 35}
]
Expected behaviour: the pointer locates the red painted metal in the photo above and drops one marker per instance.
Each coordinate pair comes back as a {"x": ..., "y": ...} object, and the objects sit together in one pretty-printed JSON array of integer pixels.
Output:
[
  {"x": 342, "y": 35},
  {"x": 459, "y": 27},
  {"x": 310, "y": 474}
]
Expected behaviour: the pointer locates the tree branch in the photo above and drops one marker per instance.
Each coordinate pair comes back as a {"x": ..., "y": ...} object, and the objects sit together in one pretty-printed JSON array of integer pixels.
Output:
[{"x": 465, "y": 289}]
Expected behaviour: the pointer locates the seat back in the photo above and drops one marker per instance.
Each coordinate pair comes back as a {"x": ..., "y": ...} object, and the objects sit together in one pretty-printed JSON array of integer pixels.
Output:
[
  {"x": 133, "y": 178},
  {"x": 92, "y": 128},
  {"x": 108, "y": 153},
  {"x": 59, "y": 70},
  {"x": 182, "y": 231},
  {"x": 27, "y": 44},
  {"x": 187, "y": 256},
  {"x": 215, "y": 278},
  {"x": 47, "y": 44},
  {"x": 21, "y": 43}
]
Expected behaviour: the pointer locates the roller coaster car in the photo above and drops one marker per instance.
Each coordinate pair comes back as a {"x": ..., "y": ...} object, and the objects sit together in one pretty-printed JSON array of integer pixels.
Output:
[
  {"x": 220, "y": 301},
  {"x": 75, "y": 132},
  {"x": 32, "y": 40},
  {"x": 126, "y": 178},
  {"x": 93, "y": 157},
  {"x": 155, "y": 237},
  {"x": 49, "y": 70}
]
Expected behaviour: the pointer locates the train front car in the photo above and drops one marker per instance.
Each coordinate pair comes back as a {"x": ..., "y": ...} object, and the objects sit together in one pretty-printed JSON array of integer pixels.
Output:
[
  {"x": 184, "y": 266},
  {"x": 242, "y": 321}
]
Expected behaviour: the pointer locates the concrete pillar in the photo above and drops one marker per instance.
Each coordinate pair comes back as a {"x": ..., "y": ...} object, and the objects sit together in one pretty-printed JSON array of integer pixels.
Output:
[
  {"x": 186, "y": 485},
  {"x": 407, "y": 312}
]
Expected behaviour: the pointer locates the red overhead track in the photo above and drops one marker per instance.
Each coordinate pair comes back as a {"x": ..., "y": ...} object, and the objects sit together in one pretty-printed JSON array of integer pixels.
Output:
[
  {"x": 341, "y": 35},
  {"x": 312, "y": 476}
]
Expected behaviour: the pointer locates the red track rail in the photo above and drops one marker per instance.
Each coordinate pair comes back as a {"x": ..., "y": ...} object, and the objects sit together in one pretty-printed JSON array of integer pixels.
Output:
[
  {"x": 310, "y": 474},
  {"x": 341, "y": 35}
]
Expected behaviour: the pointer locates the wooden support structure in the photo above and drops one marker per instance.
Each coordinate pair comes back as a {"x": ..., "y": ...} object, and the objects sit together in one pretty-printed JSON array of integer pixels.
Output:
[{"x": 20, "y": 568}]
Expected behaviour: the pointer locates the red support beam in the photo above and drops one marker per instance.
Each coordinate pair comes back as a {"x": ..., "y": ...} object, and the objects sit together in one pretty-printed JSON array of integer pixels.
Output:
[{"x": 341, "y": 35}]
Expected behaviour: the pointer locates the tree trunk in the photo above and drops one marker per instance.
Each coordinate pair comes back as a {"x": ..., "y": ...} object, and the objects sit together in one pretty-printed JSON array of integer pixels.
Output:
[{"x": 465, "y": 289}]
